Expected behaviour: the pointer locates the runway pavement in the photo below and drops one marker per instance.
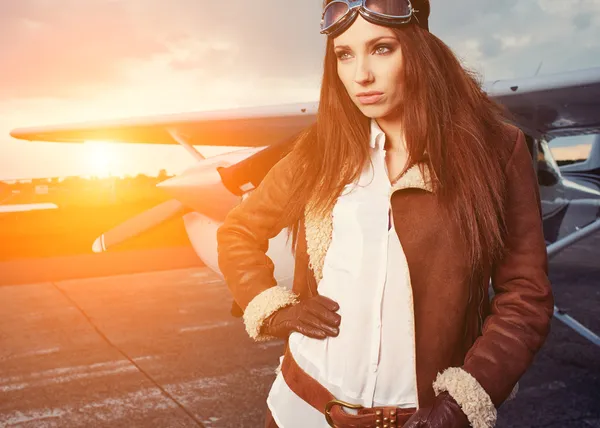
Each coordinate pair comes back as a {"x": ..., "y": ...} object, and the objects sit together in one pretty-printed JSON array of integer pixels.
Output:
[{"x": 160, "y": 349}]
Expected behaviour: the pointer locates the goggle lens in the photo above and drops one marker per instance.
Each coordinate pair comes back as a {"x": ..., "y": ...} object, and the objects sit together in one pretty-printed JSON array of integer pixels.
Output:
[
  {"x": 391, "y": 8},
  {"x": 334, "y": 12}
]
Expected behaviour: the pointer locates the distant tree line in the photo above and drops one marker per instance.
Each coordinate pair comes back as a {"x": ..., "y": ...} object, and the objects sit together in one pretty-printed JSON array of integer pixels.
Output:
[{"x": 75, "y": 190}]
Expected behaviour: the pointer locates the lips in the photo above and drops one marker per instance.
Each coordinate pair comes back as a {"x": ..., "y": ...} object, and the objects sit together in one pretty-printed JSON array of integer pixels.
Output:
[
  {"x": 371, "y": 97},
  {"x": 365, "y": 94}
]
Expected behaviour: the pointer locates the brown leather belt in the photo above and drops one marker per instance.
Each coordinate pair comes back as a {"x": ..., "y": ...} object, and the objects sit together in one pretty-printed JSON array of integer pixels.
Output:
[{"x": 319, "y": 397}]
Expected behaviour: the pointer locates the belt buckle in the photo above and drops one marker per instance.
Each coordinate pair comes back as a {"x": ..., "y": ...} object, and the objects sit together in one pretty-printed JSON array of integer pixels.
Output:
[{"x": 332, "y": 403}]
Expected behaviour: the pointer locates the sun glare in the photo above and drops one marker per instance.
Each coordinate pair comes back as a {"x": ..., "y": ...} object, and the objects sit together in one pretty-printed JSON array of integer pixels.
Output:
[{"x": 101, "y": 159}]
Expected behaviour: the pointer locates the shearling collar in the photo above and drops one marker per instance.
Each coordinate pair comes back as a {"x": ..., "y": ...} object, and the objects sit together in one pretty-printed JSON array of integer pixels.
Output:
[{"x": 413, "y": 178}]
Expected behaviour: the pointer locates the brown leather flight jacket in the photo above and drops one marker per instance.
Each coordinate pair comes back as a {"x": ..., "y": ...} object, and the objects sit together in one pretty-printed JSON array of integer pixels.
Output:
[{"x": 473, "y": 348}]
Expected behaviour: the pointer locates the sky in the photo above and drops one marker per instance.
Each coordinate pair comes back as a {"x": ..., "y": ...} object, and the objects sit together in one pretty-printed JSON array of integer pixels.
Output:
[{"x": 65, "y": 61}]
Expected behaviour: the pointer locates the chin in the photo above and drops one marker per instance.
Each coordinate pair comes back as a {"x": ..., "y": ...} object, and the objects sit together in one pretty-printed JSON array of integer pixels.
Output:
[{"x": 374, "y": 111}]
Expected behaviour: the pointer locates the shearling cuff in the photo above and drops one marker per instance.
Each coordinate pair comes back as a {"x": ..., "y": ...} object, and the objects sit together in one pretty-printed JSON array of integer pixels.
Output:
[
  {"x": 264, "y": 305},
  {"x": 469, "y": 394}
]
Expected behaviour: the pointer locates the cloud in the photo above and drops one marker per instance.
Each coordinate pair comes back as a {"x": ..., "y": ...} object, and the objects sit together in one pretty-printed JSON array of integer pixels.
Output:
[
  {"x": 564, "y": 35},
  {"x": 72, "y": 48},
  {"x": 65, "y": 47},
  {"x": 491, "y": 46},
  {"x": 266, "y": 38},
  {"x": 582, "y": 21},
  {"x": 78, "y": 60}
]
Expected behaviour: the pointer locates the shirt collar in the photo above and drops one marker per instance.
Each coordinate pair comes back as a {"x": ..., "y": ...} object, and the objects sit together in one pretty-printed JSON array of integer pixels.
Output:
[
  {"x": 412, "y": 177},
  {"x": 377, "y": 136}
]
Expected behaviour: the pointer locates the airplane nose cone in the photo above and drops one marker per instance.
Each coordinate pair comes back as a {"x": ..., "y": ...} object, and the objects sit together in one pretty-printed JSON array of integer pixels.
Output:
[
  {"x": 200, "y": 189},
  {"x": 186, "y": 179}
]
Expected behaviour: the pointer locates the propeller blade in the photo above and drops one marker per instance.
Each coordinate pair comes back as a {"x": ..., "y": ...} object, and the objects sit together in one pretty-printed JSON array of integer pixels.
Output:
[{"x": 138, "y": 224}]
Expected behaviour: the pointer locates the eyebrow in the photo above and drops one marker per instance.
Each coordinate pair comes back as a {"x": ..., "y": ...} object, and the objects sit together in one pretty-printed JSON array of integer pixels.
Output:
[{"x": 369, "y": 43}]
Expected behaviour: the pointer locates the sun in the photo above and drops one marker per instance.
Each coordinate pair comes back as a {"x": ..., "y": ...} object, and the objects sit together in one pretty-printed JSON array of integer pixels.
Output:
[{"x": 101, "y": 159}]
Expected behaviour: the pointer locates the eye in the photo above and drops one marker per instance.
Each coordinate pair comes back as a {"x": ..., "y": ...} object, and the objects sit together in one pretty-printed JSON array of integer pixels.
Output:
[
  {"x": 379, "y": 47},
  {"x": 340, "y": 55}
]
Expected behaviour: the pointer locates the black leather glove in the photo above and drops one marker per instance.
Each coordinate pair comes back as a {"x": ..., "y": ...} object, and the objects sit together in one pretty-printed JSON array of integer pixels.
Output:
[
  {"x": 314, "y": 317},
  {"x": 444, "y": 413}
]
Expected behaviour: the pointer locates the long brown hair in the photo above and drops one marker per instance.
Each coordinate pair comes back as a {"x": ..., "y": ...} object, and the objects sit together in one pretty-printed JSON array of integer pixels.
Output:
[{"x": 445, "y": 114}]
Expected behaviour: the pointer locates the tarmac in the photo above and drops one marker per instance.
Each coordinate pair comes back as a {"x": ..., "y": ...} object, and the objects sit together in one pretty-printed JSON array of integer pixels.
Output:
[{"x": 160, "y": 349}]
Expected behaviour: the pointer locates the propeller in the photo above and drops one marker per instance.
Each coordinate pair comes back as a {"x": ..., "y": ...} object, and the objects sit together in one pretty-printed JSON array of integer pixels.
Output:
[
  {"x": 138, "y": 224},
  {"x": 211, "y": 187}
]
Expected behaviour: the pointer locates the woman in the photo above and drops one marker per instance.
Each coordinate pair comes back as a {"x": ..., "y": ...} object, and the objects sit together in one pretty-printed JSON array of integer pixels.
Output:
[{"x": 406, "y": 198}]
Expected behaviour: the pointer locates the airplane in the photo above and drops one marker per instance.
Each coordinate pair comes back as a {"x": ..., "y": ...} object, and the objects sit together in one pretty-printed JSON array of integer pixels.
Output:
[
  {"x": 544, "y": 107},
  {"x": 6, "y": 208},
  {"x": 19, "y": 208},
  {"x": 7, "y": 195}
]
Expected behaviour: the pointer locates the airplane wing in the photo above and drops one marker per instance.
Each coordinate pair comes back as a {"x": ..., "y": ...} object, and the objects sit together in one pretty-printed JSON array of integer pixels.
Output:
[
  {"x": 553, "y": 105},
  {"x": 244, "y": 127},
  {"x": 549, "y": 105},
  {"x": 16, "y": 208}
]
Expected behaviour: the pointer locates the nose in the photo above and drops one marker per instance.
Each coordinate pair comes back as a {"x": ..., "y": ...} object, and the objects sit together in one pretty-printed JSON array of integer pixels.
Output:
[{"x": 363, "y": 73}]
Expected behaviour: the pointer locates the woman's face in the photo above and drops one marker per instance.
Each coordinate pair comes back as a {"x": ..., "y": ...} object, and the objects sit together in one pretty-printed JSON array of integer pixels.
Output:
[{"x": 369, "y": 59}]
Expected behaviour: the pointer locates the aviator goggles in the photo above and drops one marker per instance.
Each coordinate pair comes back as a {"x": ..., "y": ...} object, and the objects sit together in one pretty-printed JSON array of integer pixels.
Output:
[{"x": 339, "y": 14}]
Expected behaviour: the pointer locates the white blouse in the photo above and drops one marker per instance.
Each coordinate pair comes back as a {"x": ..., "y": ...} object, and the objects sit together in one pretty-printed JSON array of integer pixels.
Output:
[{"x": 371, "y": 362}]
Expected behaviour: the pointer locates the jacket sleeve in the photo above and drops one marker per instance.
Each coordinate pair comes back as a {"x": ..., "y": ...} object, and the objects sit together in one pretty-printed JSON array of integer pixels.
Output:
[
  {"x": 521, "y": 309},
  {"x": 242, "y": 243}
]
